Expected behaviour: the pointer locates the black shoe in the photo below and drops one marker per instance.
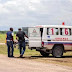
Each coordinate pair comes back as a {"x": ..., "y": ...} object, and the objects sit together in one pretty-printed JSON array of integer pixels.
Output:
[
  {"x": 8, "y": 56},
  {"x": 11, "y": 56},
  {"x": 21, "y": 56}
]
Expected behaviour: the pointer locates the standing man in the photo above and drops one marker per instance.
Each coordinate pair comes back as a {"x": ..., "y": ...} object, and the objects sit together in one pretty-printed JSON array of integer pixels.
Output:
[
  {"x": 20, "y": 37},
  {"x": 9, "y": 41}
]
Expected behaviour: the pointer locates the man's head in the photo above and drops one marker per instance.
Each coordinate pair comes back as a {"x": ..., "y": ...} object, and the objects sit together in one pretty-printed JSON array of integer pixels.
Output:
[
  {"x": 19, "y": 29},
  {"x": 11, "y": 29}
]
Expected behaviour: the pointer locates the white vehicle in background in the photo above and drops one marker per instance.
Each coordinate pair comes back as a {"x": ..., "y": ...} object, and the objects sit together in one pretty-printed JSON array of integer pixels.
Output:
[
  {"x": 25, "y": 29},
  {"x": 50, "y": 39}
]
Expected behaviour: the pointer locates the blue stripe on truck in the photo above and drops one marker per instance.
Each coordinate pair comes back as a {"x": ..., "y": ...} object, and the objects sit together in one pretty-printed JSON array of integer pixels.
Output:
[{"x": 50, "y": 43}]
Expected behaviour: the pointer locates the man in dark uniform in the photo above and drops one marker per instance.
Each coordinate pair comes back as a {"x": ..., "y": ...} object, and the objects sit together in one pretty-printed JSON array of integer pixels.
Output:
[
  {"x": 20, "y": 37},
  {"x": 9, "y": 41}
]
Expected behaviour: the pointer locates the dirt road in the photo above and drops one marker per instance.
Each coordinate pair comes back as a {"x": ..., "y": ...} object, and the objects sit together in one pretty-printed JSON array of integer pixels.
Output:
[{"x": 25, "y": 65}]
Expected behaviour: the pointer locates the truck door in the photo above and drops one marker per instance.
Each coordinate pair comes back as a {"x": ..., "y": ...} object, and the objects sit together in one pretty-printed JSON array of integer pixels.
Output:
[{"x": 34, "y": 37}]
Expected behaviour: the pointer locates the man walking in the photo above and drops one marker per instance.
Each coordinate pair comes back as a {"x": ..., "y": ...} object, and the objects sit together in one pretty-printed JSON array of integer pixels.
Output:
[
  {"x": 20, "y": 37},
  {"x": 9, "y": 41}
]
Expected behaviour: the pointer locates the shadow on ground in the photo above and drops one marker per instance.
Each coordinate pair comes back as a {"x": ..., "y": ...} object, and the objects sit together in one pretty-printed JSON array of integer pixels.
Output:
[{"x": 37, "y": 57}]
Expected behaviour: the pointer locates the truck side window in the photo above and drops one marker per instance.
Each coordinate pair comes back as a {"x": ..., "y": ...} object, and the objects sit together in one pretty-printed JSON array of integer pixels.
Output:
[
  {"x": 41, "y": 30},
  {"x": 52, "y": 31},
  {"x": 65, "y": 31},
  {"x": 56, "y": 31}
]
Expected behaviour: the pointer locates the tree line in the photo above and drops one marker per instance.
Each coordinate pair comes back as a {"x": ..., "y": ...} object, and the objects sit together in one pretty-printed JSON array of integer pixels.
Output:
[{"x": 4, "y": 32}]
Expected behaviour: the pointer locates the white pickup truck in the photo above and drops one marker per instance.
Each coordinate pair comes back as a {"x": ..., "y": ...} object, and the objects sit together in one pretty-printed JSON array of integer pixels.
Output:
[{"x": 50, "y": 39}]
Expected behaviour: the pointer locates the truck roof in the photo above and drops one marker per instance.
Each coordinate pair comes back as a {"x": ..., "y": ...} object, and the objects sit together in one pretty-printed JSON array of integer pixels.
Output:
[{"x": 56, "y": 26}]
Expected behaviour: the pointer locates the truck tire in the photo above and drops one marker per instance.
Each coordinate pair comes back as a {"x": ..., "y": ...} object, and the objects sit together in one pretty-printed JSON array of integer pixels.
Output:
[
  {"x": 44, "y": 54},
  {"x": 57, "y": 51}
]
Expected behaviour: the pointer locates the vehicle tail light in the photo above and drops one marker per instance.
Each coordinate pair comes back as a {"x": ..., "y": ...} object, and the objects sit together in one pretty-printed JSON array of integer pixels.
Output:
[{"x": 42, "y": 44}]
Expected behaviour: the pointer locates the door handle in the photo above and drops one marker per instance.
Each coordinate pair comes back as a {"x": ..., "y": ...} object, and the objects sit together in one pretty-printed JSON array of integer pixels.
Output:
[{"x": 48, "y": 40}]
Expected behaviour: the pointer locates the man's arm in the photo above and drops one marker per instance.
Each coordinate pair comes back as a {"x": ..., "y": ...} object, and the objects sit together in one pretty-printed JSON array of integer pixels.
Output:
[
  {"x": 12, "y": 37},
  {"x": 26, "y": 36}
]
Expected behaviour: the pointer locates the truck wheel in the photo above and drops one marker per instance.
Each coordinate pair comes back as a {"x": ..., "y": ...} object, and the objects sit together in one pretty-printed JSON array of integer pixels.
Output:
[
  {"x": 44, "y": 54},
  {"x": 57, "y": 51}
]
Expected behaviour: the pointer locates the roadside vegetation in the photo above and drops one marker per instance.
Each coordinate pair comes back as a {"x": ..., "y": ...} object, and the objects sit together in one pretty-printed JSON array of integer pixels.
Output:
[
  {"x": 28, "y": 52},
  {"x": 2, "y": 38}
]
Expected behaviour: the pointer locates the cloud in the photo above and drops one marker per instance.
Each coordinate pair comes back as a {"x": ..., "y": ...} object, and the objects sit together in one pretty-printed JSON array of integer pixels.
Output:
[{"x": 18, "y": 13}]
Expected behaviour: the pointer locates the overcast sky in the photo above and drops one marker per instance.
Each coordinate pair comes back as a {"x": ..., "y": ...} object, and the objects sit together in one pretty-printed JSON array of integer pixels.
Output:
[{"x": 25, "y": 13}]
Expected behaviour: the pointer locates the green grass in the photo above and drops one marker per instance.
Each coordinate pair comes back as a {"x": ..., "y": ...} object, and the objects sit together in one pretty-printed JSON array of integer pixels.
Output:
[
  {"x": 28, "y": 52},
  {"x": 2, "y": 38}
]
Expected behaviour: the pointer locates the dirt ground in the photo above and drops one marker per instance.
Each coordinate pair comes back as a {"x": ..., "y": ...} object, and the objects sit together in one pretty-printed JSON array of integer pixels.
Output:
[{"x": 29, "y": 64}]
